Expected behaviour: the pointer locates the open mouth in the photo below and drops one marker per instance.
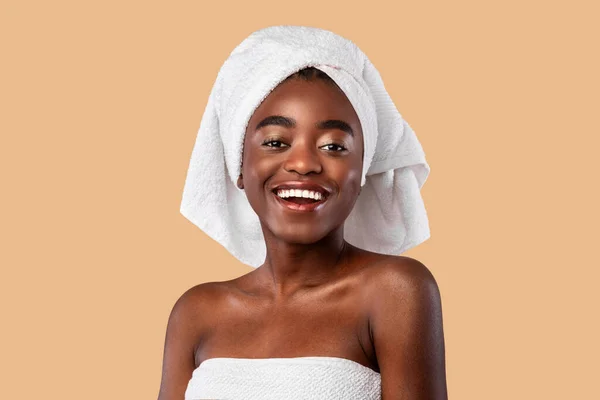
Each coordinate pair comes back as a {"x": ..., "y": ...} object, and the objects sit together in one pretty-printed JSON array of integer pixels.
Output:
[
  {"x": 300, "y": 200},
  {"x": 301, "y": 203}
]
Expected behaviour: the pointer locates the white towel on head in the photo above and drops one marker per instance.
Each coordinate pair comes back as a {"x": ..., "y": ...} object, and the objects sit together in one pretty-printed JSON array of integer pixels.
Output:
[{"x": 388, "y": 217}]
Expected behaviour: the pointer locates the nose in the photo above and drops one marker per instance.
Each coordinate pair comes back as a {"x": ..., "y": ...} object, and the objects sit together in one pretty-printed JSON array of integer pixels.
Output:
[{"x": 303, "y": 158}]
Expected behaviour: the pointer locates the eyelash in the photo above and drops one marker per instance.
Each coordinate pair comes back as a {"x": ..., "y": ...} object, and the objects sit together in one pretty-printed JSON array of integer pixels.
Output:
[{"x": 342, "y": 148}]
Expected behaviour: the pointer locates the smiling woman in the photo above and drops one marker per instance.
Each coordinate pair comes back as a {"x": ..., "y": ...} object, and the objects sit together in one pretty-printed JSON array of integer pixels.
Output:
[
  {"x": 304, "y": 169},
  {"x": 307, "y": 137}
]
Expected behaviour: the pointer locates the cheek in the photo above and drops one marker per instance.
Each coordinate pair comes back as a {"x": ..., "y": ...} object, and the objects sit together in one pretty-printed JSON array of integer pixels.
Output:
[
  {"x": 260, "y": 167},
  {"x": 257, "y": 170},
  {"x": 353, "y": 181},
  {"x": 354, "y": 170},
  {"x": 348, "y": 177}
]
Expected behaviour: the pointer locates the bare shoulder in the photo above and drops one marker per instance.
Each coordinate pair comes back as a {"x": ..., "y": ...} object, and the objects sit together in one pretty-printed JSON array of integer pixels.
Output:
[
  {"x": 404, "y": 289},
  {"x": 403, "y": 275},
  {"x": 199, "y": 294},
  {"x": 188, "y": 322},
  {"x": 191, "y": 308},
  {"x": 405, "y": 316}
]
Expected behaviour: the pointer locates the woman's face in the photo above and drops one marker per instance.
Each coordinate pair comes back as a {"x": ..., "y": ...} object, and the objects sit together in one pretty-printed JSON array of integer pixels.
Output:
[{"x": 303, "y": 132}]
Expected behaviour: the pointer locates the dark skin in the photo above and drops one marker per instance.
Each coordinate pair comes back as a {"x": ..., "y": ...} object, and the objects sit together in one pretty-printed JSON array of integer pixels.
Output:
[{"x": 315, "y": 295}]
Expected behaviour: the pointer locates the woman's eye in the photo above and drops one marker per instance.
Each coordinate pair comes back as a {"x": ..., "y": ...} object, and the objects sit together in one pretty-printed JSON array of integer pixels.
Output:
[
  {"x": 272, "y": 141},
  {"x": 335, "y": 147}
]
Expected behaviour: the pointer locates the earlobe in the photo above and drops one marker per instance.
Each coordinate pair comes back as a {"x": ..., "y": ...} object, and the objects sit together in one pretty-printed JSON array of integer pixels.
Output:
[{"x": 240, "y": 182}]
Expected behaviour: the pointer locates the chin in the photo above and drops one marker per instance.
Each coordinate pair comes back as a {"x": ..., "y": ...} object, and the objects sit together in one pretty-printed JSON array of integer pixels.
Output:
[{"x": 299, "y": 233}]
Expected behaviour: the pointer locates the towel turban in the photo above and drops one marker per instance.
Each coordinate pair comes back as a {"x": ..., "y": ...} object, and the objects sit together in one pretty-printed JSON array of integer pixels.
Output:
[{"x": 389, "y": 216}]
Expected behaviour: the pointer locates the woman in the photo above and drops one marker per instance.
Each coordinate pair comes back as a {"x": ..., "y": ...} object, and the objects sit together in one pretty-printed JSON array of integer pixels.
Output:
[{"x": 319, "y": 317}]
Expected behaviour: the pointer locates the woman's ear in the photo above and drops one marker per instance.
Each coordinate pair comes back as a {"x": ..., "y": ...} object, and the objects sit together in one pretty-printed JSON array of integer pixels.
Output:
[{"x": 240, "y": 182}]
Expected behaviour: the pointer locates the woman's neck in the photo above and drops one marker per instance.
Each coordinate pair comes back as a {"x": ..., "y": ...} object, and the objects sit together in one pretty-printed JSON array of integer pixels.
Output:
[{"x": 291, "y": 267}]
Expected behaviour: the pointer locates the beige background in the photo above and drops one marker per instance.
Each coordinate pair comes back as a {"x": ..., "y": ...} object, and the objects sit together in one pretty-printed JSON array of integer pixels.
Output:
[{"x": 100, "y": 105}]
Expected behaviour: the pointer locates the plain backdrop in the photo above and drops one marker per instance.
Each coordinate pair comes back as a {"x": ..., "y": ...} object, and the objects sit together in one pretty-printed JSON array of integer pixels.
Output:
[{"x": 100, "y": 103}]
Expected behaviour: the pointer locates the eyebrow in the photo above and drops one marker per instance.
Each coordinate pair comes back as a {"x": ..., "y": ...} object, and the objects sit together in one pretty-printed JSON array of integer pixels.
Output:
[{"x": 287, "y": 122}]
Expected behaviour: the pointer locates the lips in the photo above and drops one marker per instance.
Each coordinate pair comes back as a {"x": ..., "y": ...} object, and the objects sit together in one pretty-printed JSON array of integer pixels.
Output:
[
  {"x": 305, "y": 204},
  {"x": 313, "y": 186},
  {"x": 306, "y": 207}
]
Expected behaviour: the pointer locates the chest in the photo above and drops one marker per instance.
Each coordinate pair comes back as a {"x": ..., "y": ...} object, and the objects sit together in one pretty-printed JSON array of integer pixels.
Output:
[{"x": 325, "y": 324}]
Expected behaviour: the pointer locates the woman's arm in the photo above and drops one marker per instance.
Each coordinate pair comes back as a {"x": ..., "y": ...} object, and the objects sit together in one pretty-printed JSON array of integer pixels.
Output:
[
  {"x": 406, "y": 323},
  {"x": 181, "y": 338}
]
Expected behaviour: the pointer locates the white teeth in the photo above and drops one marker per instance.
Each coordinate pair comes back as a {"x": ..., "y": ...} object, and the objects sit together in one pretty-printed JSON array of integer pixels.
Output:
[{"x": 309, "y": 194}]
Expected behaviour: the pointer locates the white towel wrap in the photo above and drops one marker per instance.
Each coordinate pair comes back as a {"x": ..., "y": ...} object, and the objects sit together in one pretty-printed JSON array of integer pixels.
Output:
[{"x": 300, "y": 378}]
